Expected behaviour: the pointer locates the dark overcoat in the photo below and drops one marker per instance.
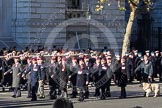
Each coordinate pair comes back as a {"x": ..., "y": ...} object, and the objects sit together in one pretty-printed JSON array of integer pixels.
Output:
[
  {"x": 121, "y": 75},
  {"x": 62, "y": 75},
  {"x": 52, "y": 72},
  {"x": 16, "y": 71},
  {"x": 82, "y": 77}
]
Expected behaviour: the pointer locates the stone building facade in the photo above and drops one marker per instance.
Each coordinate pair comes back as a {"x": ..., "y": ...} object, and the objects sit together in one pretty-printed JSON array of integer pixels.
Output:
[
  {"x": 62, "y": 23},
  {"x": 147, "y": 33}
]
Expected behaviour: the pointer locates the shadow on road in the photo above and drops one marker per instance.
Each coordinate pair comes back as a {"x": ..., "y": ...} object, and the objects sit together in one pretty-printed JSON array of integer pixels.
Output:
[{"x": 21, "y": 104}]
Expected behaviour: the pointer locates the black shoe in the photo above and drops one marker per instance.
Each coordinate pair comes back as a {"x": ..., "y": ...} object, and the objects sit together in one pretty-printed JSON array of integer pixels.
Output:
[
  {"x": 14, "y": 96},
  {"x": 33, "y": 99},
  {"x": 102, "y": 98},
  {"x": 86, "y": 97},
  {"x": 42, "y": 97},
  {"x": 73, "y": 96},
  {"x": 19, "y": 96},
  {"x": 130, "y": 81},
  {"x": 108, "y": 94},
  {"x": 52, "y": 97},
  {"x": 81, "y": 99},
  {"x": 28, "y": 97},
  {"x": 122, "y": 97},
  {"x": 95, "y": 95}
]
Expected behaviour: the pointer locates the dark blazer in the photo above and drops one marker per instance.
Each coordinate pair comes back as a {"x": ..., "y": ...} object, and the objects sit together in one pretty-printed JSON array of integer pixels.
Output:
[
  {"x": 52, "y": 71},
  {"x": 62, "y": 76},
  {"x": 34, "y": 74},
  {"x": 161, "y": 62},
  {"x": 129, "y": 67},
  {"x": 96, "y": 72},
  {"x": 120, "y": 74},
  {"x": 27, "y": 72},
  {"x": 82, "y": 77},
  {"x": 41, "y": 72},
  {"x": 73, "y": 73}
]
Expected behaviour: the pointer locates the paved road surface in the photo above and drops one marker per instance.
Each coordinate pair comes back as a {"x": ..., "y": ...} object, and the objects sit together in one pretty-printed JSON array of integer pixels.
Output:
[{"x": 134, "y": 93}]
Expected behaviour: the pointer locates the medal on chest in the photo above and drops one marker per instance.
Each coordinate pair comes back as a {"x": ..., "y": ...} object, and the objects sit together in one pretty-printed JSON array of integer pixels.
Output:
[
  {"x": 35, "y": 68},
  {"x": 63, "y": 68},
  {"x": 104, "y": 67},
  {"x": 80, "y": 72}
]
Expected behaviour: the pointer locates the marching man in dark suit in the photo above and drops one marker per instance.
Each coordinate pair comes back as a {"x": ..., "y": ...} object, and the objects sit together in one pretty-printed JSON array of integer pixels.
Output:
[
  {"x": 109, "y": 75},
  {"x": 103, "y": 74},
  {"x": 160, "y": 73},
  {"x": 42, "y": 75},
  {"x": 52, "y": 74},
  {"x": 122, "y": 79},
  {"x": 121, "y": 76},
  {"x": 89, "y": 66},
  {"x": 16, "y": 71},
  {"x": 34, "y": 78},
  {"x": 73, "y": 69},
  {"x": 157, "y": 65},
  {"x": 82, "y": 79},
  {"x": 27, "y": 75},
  {"x": 95, "y": 74},
  {"x": 63, "y": 75}
]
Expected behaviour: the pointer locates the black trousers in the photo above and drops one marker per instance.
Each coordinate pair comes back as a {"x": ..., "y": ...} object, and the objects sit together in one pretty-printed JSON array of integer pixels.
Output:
[
  {"x": 97, "y": 92},
  {"x": 29, "y": 89},
  {"x": 7, "y": 80},
  {"x": 34, "y": 91},
  {"x": 103, "y": 91},
  {"x": 123, "y": 92},
  {"x": 17, "y": 91},
  {"x": 1, "y": 78},
  {"x": 86, "y": 94},
  {"x": 145, "y": 78},
  {"x": 108, "y": 87},
  {"x": 52, "y": 91},
  {"x": 81, "y": 93},
  {"x": 74, "y": 88},
  {"x": 160, "y": 73}
]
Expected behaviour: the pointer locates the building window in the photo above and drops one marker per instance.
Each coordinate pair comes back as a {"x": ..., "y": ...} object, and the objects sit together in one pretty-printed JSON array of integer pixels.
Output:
[{"x": 73, "y": 4}]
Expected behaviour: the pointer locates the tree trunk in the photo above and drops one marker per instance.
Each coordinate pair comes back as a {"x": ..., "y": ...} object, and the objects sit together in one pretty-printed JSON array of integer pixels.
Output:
[{"x": 127, "y": 36}]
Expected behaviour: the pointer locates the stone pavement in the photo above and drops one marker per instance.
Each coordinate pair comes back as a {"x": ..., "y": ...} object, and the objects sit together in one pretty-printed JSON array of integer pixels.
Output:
[{"x": 134, "y": 94}]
